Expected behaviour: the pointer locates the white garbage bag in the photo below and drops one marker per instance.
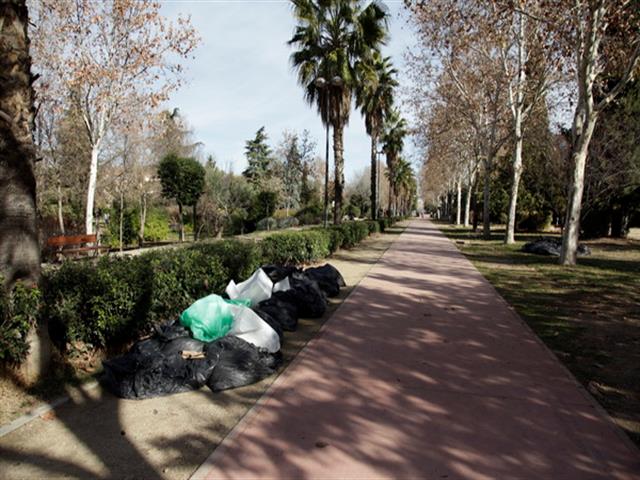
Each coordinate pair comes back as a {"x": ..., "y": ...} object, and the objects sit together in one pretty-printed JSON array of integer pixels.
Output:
[
  {"x": 248, "y": 326},
  {"x": 256, "y": 288},
  {"x": 282, "y": 285}
]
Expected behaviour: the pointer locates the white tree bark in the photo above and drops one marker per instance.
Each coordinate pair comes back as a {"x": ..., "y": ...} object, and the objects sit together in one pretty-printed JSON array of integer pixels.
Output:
[
  {"x": 91, "y": 189},
  {"x": 458, "y": 200},
  {"x": 517, "y": 107}
]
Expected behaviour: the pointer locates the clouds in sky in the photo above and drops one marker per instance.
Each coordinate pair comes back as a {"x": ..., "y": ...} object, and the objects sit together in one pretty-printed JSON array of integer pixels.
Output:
[{"x": 241, "y": 79}]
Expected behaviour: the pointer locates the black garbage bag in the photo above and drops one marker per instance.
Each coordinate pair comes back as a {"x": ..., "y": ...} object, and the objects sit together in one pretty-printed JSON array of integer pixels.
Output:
[
  {"x": 328, "y": 277},
  {"x": 278, "y": 272},
  {"x": 543, "y": 246},
  {"x": 142, "y": 373},
  {"x": 551, "y": 246},
  {"x": 273, "y": 323},
  {"x": 182, "y": 344},
  {"x": 239, "y": 363},
  {"x": 171, "y": 331},
  {"x": 305, "y": 295},
  {"x": 284, "y": 313}
]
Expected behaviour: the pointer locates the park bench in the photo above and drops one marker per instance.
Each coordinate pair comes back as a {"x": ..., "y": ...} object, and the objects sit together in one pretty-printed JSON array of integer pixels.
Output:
[{"x": 74, "y": 246}]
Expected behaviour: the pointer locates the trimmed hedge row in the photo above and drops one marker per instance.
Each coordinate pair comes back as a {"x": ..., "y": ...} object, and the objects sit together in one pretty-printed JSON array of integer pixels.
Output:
[{"x": 116, "y": 299}]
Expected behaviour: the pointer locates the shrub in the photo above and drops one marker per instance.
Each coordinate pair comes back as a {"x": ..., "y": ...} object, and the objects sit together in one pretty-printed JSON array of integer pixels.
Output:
[
  {"x": 288, "y": 222},
  {"x": 373, "y": 226},
  {"x": 310, "y": 215},
  {"x": 286, "y": 248},
  {"x": 268, "y": 223},
  {"x": 117, "y": 299},
  {"x": 18, "y": 313},
  {"x": 156, "y": 225}
]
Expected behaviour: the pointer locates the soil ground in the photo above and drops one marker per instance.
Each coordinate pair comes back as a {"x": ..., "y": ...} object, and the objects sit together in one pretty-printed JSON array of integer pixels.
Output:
[
  {"x": 588, "y": 314},
  {"x": 98, "y": 435}
]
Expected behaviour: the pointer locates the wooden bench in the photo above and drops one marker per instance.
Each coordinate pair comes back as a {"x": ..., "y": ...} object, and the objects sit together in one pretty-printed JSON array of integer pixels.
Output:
[{"x": 75, "y": 245}]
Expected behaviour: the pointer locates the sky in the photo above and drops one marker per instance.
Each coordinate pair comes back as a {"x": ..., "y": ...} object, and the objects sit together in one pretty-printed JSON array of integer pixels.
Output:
[{"x": 241, "y": 79}]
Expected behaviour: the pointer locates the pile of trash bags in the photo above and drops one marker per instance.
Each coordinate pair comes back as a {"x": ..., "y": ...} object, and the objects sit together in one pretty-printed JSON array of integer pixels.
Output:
[
  {"x": 551, "y": 246},
  {"x": 224, "y": 342}
]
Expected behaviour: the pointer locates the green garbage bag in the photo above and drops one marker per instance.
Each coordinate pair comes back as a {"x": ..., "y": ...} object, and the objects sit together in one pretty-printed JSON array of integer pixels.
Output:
[{"x": 210, "y": 317}]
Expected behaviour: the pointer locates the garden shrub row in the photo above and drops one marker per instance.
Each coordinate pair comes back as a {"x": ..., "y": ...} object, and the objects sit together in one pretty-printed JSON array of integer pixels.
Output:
[{"x": 115, "y": 300}]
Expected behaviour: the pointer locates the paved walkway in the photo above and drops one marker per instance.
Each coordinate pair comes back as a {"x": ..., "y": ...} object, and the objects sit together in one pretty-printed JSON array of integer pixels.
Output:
[{"x": 425, "y": 372}]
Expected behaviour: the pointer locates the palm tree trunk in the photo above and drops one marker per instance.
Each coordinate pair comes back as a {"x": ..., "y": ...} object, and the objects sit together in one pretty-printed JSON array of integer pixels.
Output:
[
  {"x": 19, "y": 246},
  {"x": 374, "y": 174},
  {"x": 339, "y": 172}
]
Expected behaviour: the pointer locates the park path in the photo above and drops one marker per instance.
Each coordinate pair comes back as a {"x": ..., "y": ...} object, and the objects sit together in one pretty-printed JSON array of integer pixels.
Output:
[{"x": 425, "y": 372}]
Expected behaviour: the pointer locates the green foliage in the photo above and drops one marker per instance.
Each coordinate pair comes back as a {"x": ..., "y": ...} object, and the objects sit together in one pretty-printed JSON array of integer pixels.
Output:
[
  {"x": 182, "y": 179},
  {"x": 156, "y": 225},
  {"x": 18, "y": 313},
  {"x": 117, "y": 299},
  {"x": 264, "y": 205},
  {"x": 310, "y": 215},
  {"x": 259, "y": 159},
  {"x": 268, "y": 223}
]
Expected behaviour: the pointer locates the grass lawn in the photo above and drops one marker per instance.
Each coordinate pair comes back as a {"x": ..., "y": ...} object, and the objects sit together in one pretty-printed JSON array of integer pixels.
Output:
[{"x": 589, "y": 314}]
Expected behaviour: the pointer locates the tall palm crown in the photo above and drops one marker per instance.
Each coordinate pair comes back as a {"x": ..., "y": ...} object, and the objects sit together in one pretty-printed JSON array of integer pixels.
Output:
[
  {"x": 331, "y": 38},
  {"x": 374, "y": 96},
  {"x": 395, "y": 131}
]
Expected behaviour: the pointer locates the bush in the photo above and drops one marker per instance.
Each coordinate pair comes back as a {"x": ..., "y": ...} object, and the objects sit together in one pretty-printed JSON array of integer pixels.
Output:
[
  {"x": 373, "y": 226},
  {"x": 310, "y": 215},
  {"x": 288, "y": 222},
  {"x": 117, "y": 299},
  {"x": 156, "y": 225},
  {"x": 18, "y": 313},
  {"x": 268, "y": 223}
]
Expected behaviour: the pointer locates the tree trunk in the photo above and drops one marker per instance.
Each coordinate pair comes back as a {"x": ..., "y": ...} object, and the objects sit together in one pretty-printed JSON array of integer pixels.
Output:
[
  {"x": 60, "y": 215},
  {"x": 467, "y": 200},
  {"x": 19, "y": 246},
  {"x": 572, "y": 223},
  {"x": 91, "y": 190},
  {"x": 121, "y": 219},
  {"x": 458, "y": 201},
  {"x": 180, "y": 222},
  {"x": 374, "y": 174},
  {"x": 143, "y": 219},
  {"x": 517, "y": 109},
  {"x": 486, "y": 207},
  {"x": 515, "y": 184},
  {"x": 339, "y": 172},
  {"x": 195, "y": 221}
]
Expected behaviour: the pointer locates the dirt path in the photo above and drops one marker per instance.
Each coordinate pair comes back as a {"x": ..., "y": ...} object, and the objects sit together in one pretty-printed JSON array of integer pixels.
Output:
[
  {"x": 96, "y": 435},
  {"x": 425, "y": 372}
]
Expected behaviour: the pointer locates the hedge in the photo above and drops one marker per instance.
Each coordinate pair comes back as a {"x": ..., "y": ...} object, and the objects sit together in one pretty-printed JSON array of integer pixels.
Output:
[{"x": 115, "y": 300}]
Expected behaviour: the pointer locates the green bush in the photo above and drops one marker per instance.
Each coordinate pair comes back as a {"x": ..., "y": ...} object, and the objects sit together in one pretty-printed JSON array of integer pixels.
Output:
[
  {"x": 373, "y": 226},
  {"x": 286, "y": 248},
  {"x": 352, "y": 232},
  {"x": 156, "y": 225},
  {"x": 310, "y": 215},
  {"x": 268, "y": 223},
  {"x": 18, "y": 313},
  {"x": 117, "y": 299}
]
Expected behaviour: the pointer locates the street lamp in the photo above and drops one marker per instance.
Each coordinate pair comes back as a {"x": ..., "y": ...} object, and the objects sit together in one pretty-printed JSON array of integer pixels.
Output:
[{"x": 322, "y": 84}]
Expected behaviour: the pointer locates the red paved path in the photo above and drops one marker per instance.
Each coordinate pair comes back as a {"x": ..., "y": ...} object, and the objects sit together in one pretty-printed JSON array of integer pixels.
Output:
[{"x": 425, "y": 372}]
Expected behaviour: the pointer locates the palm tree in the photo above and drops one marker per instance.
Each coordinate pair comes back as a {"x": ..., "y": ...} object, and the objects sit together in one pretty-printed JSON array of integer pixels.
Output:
[
  {"x": 405, "y": 185},
  {"x": 375, "y": 99},
  {"x": 395, "y": 130},
  {"x": 332, "y": 36},
  {"x": 19, "y": 247}
]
